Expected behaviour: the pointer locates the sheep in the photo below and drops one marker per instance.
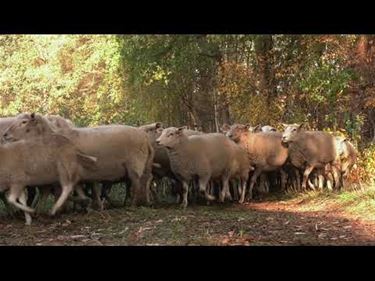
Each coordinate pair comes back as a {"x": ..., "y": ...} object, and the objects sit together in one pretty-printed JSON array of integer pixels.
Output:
[
  {"x": 204, "y": 156},
  {"x": 42, "y": 161},
  {"x": 308, "y": 150},
  {"x": 123, "y": 152},
  {"x": 264, "y": 184},
  {"x": 5, "y": 122},
  {"x": 240, "y": 169},
  {"x": 163, "y": 167},
  {"x": 60, "y": 122},
  {"x": 264, "y": 129},
  {"x": 346, "y": 156},
  {"x": 264, "y": 150}
]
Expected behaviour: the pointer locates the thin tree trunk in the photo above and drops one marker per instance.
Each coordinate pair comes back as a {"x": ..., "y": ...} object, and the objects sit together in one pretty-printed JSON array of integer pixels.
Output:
[{"x": 263, "y": 49}]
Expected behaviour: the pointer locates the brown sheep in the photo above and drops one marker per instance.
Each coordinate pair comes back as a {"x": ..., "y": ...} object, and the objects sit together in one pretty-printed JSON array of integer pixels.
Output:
[
  {"x": 308, "y": 150},
  {"x": 42, "y": 161},
  {"x": 161, "y": 158},
  {"x": 60, "y": 122},
  {"x": 204, "y": 156},
  {"x": 122, "y": 151},
  {"x": 346, "y": 156},
  {"x": 264, "y": 150}
]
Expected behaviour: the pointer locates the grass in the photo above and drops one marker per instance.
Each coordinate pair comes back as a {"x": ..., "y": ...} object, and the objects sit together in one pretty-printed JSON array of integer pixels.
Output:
[{"x": 357, "y": 202}]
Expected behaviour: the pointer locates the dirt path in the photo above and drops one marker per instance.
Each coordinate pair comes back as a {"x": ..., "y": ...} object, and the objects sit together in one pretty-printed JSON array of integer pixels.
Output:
[{"x": 259, "y": 223}]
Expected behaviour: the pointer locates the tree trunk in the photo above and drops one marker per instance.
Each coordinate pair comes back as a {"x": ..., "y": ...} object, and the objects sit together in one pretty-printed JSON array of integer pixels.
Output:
[{"x": 263, "y": 49}]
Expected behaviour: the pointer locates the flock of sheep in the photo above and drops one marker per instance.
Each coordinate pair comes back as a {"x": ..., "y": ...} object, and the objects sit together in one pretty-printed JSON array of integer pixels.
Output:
[{"x": 50, "y": 154}]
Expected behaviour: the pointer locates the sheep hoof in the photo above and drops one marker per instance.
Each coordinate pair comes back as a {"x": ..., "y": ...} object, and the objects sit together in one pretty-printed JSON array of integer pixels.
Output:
[
  {"x": 210, "y": 197},
  {"x": 221, "y": 199}
]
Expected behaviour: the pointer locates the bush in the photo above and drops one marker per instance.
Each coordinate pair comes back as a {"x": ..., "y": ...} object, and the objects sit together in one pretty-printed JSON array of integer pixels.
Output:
[{"x": 364, "y": 170}]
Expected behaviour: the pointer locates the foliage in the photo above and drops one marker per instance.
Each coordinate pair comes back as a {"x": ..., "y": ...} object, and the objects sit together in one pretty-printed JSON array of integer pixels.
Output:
[
  {"x": 365, "y": 170},
  {"x": 50, "y": 73},
  {"x": 200, "y": 80}
]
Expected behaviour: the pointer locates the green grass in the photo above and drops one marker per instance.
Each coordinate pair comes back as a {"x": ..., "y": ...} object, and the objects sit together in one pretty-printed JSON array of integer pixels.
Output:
[{"x": 357, "y": 202}]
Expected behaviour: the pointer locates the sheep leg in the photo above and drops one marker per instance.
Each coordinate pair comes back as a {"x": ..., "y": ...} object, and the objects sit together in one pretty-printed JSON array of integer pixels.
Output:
[
  {"x": 235, "y": 185},
  {"x": 106, "y": 188},
  {"x": 177, "y": 188},
  {"x": 243, "y": 191},
  {"x": 96, "y": 192},
  {"x": 224, "y": 190},
  {"x": 343, "y": 179},
  {"x": 306, "y": 174},
  {"x": 316, "y": 180},
  {"x": 239, "y": 186},
  {"x": 66, "y": 190},
  {"x": 267, "y": 186},
  {"x": 14, "y": 194},
  {"x": 6, "y": 204},
  {"x": 164, "y": 190},
  {"x": 154, "y": 191},
  {"x": 311, "y": 185},
  {"x": 23, "y": 200},
  {"x": 84, "y": 200},
  {"x": 298, "y": 179},
  {"x": 203, "y": 181},
  {"x": 336, "y": 177},
  {"x": 145, "y": 183},
  {"x": 209, "y": 187},
  {"x": 284, "y": 177},
  {"x": 262, "y": 185},
  {"x": 253, "y": 179},
  {"x": 321, "y": 182},
  {"x": 134, "y": 188},
  {"x": 329, "y": 181},
  {"x": 185, "y": 191}
]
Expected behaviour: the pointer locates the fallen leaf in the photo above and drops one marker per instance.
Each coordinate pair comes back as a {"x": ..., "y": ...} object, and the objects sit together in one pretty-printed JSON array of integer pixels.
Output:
[
  {"x": 322, "y": 235},
  {"x": 225, "y": 241},
  {"x": 77, "y": 236}
]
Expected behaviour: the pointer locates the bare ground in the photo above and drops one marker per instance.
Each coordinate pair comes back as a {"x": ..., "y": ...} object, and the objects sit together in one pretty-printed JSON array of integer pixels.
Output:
[{"x": 270, "y": 222}]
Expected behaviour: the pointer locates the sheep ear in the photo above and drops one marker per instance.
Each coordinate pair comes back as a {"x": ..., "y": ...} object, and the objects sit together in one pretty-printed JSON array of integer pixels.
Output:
[
  {"x": 181, "y": 129},
  {"x": 301, "y": 126},
  {"x": 158, "y": 125},
  {"x": 33, "y": 117},
  {"x": 284, "y": 125},
  {"x": 257, "y": 128},
  {"x": 225, "y": 127},
  {"x": 247, "y": 126}
]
